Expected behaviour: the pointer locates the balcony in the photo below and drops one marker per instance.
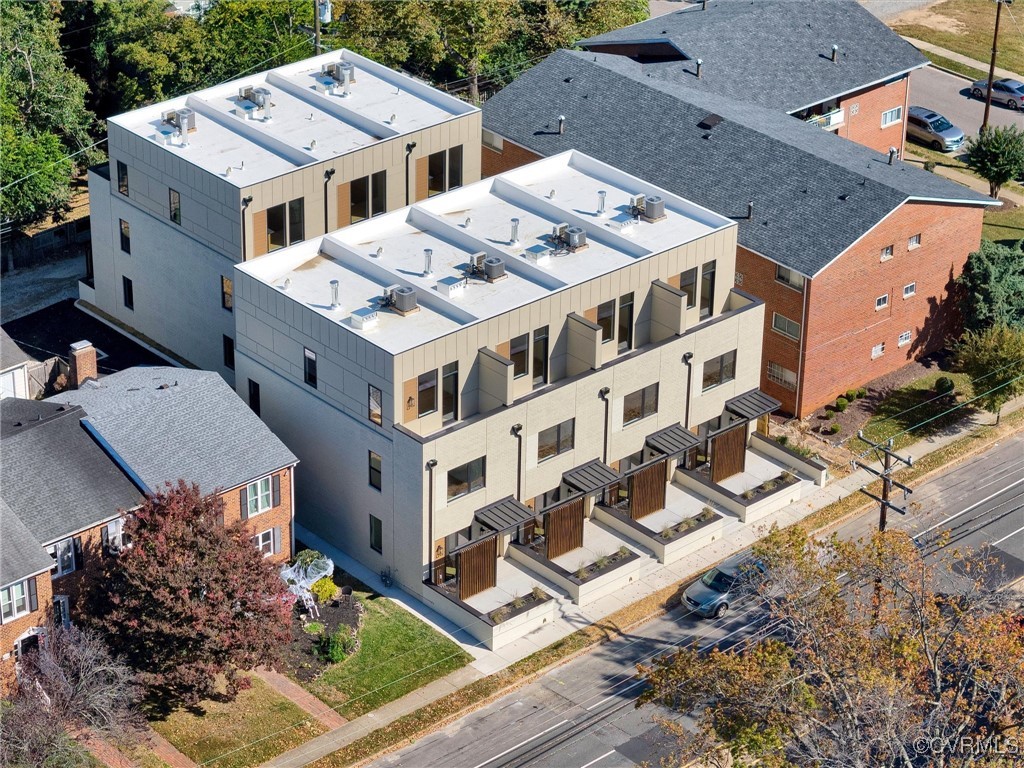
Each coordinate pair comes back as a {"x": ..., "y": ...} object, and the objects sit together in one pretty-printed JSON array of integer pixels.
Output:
[{"x": 830, "y": 120}]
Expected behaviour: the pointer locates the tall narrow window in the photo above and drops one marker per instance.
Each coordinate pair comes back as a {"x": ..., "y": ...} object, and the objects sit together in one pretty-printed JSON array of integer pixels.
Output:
[
  {"x": 254, "y": 397},
  {"x": 309, "y": 367},
  {"x": 606, "y": 319},
  {"x": 519, "y": 350},
  {"x": 540, "y": 356},
  {"x": 174, "y": 205},
  {"x": 436, "y": 174},
  {"x": 276, "y": 228},
  {"x": 427, "y": 393},
  {"x": 626, "y": 323},
  {"x": 379, "y": 187},
  {"x": 450, "y": 392},
  {"x": 227, "y": 293},
  {"x": 455, "y": 167},
  {"x": 359, "y": 199},
  {"x": 229, "y": 353},
  {"x": 707, "y": 290},
  {"x": 129, "y": 292},
  {"x": 296, "y": 221},
  {"x": 688, "y": 285},
  {"x": 126, "y": 236},
  {"x": 376, "y": 535},
  {"x": 122, "y": 178},
  {"x": 374, "y": 405},
  {"x": 375, "y": 470}
]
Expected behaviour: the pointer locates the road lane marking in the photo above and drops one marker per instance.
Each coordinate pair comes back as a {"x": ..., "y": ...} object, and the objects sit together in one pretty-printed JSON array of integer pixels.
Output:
[
  {"x": 627, "y": 688},
  {"x": 517, "y": 746},
  {"x": 967, "y": 509},
  {"x": 602, "y": 757},
  {"x": 994, "y": 543}
]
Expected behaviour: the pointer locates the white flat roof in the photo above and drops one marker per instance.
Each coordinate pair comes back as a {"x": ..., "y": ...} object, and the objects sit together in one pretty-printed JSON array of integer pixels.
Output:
[
  {"x": 474, "y": 219},
  {"x": 310, "y": 118}
]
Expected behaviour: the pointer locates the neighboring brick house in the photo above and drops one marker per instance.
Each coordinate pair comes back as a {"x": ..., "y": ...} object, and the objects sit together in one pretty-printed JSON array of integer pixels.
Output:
[
  {"x": 829, "y": 62},
  {"x": 854, "y": 253}
]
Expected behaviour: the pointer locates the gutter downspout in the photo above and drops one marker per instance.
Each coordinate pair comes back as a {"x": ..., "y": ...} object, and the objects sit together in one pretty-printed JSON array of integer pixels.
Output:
[
  {"x": 430, "y": 519},
  {"x": 245, "y": 206},
  {"x": 291, "y": 489},
  {"x": 800, "y": 357},
  {"x": 327, "y": 179},
  {"x": 408, "y": 153},
  {"x": 687, "y": 357},
  {"x": 603, "y": 394},
  {"x": 517, "y": 432}
]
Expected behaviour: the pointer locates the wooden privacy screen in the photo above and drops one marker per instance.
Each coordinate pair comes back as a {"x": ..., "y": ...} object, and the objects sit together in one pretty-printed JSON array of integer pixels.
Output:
[
  {"x": 422, "y": 189},
  {"x": 260, "y": 236},
  {"x": 563, "y": 527},
  {"x": 728, "y": 453},
  {"x": 478, "y": 567},
  {"x": 344, "y": 205},
  {"x": 647, "y": 490}
]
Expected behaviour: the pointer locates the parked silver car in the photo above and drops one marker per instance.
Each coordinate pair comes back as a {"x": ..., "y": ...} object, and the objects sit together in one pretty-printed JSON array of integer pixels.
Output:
[
  {"x": 712, "y": 593},
  {"x": 933, "y": 129},
  {"x": 1006, "y": 91}
]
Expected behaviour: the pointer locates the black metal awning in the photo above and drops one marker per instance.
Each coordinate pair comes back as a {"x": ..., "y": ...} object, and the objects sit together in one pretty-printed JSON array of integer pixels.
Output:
[
  {"x": 593, "y": 476},
  {"x": 752, "y": 404},
  {"x": 503, "y": 514},
  {"x": 673, "y": 441}
]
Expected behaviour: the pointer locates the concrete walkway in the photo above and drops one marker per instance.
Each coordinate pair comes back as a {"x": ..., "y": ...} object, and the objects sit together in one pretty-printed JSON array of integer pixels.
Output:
[{"x": 921, "y": 45}]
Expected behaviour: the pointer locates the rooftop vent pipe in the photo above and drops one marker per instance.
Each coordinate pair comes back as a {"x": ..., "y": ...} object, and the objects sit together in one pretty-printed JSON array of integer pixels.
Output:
[
  {"x": 514, "y": 239},
  {"x": 601, "y": 195},
  {"x": 892, "y": 154},
  {"x": 334, "y": 294},
  {"x": 835, "y": 53},
  {"x": 347, "y": 75},
  {"x": 700, "y": 68},
  {"x": 469, "y": 222},
  {"x": 704, "y": 5},
  {"x": 750, "y": 210},
  {"x": 561, "y": 124},
  {"x": 380, "y": 251},
  {"x": 427, "y": 258}
]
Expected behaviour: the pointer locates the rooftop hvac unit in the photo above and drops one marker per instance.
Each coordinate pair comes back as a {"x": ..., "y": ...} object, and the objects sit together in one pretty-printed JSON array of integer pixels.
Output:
[
  {"x": 577, "y": 238},
  {"x": 476, "y": 261},
  {"x": 187, "y": 120},
  {"x": 494, "y": 268},
  {"x": 559, "y": 233},
  {"x": 330, "y": 70},
  {"x": 637, "y": 204},
  {"x": 655, "y": 208},
  {"x": 405, "y": 299},
  {"x": 364, "y": 318},
  {"x": 388, "y": 299},
  {"x": 170, "y": 117},
  {"x": 245, "y": 93},
  {"x": 260, "y": 96}
]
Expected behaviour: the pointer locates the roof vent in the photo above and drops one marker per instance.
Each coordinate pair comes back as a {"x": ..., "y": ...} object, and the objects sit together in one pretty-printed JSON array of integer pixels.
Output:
[
  {"x": 428, "y": 258},
  {"x": 451, "y": 287},
  {"x": 348, "y": 76},
  {"x": 710, "y": 121},
  {"x": 364, "y": 318},
  {"x": 405, "y": 300},
  {"x": 334, "y": 294},
  {"x": 514, "y": 237},
  {"x": 261, "y": 97},
  {"x": 577, "y": 237},
  {"x": 494, "y": 268},
  {"x": 654, "y": 208},
  {"x": 561, "y": 126},
  {"x": 700, "y": 68},
  {"x": 893, "y": 153},
  {"x": 601, "y": 195},
  {"x": 380, "y": 251},
  {"x": 835, "y": 53}
]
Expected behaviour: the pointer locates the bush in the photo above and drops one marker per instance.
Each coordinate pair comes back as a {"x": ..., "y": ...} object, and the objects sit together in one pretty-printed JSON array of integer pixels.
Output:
[
  {"x": 787, "y": 477},
  {"x": 782, "y": 439},
  {"x": 313, "y": 628},
  {"x": 667, "y": 532},
  {"x": 307, "y": 557},
  {"x": 828, "y": 414},
  {"x": 324, "y": 589},
  {"x": 748, "y": 494},
  {"x": 841, "y": 404},
  {"x": 862, "y": 392},
  {"x": 336, "y": 647},
  {"x": 602, "y": 561},
  {"x": 944, "y": 385},
  {"x": 834, "y": 429},
  {"x": 929, "y": 165},
  {"x": 624, "y": 550},
  {"x": 538, "y": 593},
  {"x": 518, "y": 602},
  {"x": 851, "y": 395},
  {"x": 769, "y": 485},
  {"x": 498, "y": 615}
]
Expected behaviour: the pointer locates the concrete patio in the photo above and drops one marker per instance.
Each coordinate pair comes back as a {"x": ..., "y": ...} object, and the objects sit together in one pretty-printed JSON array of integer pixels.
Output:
[
  {"x": 513, "y": 580},
  {"x": 597, "y": 542},
  {"x": 758, "y": 469}
]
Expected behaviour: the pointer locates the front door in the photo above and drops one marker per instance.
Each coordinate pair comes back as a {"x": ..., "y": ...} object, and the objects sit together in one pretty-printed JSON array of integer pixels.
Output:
[{"x": 728, "y": 453}]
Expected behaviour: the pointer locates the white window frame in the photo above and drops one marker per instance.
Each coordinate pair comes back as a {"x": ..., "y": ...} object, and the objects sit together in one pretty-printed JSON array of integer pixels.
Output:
[
  {"x": 877, "y": 351},
  {"x": 910, "y": 289},
  {"x": 887, "y": 253},
  {"x": 776, "y": 316},
  {"x": 781, "y": 375},
  {"x": 65, "y": 610},
  {"x": 63, "y": 554},
  {"x": 264, "y": 542},
  {"x": 9, "y": 602},
  {"x": 255, "y": 496},
  {"x": 892, "y": 116},
  {"x": 905, "y": 338},
  {"x": 882, "y": 302},
  {"x": 914, "y": 241},
  {"x": 789, "y": 277}
]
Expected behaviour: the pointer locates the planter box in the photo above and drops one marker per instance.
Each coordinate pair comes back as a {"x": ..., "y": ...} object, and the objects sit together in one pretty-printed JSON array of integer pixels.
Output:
[
  {"x": 813, "y": 468},
  {"x": 748, "y": 510},
  {"x": 611, "y": 579},
  {"x": 666, "y": 550}
]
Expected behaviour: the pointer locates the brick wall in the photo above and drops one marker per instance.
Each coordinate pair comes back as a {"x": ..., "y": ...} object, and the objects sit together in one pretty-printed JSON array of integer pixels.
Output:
[
  {"x": 76, "y": 584},
  {"x": 12, "y": 630},
  {"x": 511, "y": 156},
  {"x": 279, "y": 516},
  {"x": 865, "y": 127}
]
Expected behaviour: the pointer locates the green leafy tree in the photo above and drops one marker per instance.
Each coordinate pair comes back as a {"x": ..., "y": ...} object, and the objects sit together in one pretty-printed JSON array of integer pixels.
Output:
[
  {"x": 997, "y": 155},
  {"x": 993, "y": 286},
  {"x": 994, "y": 359}
]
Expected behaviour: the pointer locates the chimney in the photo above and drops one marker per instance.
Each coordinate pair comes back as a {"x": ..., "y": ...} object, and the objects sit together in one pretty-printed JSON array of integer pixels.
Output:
[
  {"x": 700, "y": 68},
  {"x": 561, "y": 124},
  {"x": 893, "y": 152},
  {"x": 82, "y": 361},
  {"x": 750, "y": 210},
  {"x": 334, "y": 294},
  {"x": 835, "y": 53}
]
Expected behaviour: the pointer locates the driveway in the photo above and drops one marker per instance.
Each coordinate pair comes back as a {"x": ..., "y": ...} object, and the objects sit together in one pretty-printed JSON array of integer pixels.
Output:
[{"x": 950, "y": 95}]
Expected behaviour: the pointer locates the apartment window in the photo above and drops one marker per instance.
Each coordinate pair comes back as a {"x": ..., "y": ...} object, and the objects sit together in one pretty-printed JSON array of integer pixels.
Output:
[
  {"x": 781, "y": 376},
  {"x": 640, "y": 404},
  {"x": 129, "y": 292},
  {"x": 556, "y": 440},
  {"x": 905, "y": 338},
  {"x": 788, "y": 277},
  {"x": 264, "y": 542},
  {"x": 606, "y": 319},
  {"x": 375, "y": 470},
  {"x": 909, "y": 290},
  {"x": 259, "y": 496},
  {"x": 878, "y": 350},
  {"x": 707, "y": 289},
  {"x": 785, "y": 326},
  {"x": 450, "y": 392},
  {"x": 886, "y": 253},
  {"x": 626, "y": 323},
  {"x": 376, "y": 534},
  {"x": 540, "y": 356},
  {"x": 914, "y": 242},
  {"x": 426, "y": 389},
  {"x": 254, "y": 396},
  {"x": 65, "y": 555},
  {"x": 375, "y": 401},
  {"x": 359, "y": 199},
  {"x": 719, "y": 370},
  {"x": 122, "y": 178},
  {"x": 468, "y": 478},
  {"x": 882, "y": 302},
  {"x": 285, "y": 224},
  {"x": 296, "y": 221},
  {"x": 688, "y": 285},
  {"x": 519, "y": 353},
  {"x": 455, "y": 167},
  {"x": 174, "y": 205},
  {"x": 491, "y": 140},
  {"x": 891, "y": 116},
  {"x": 229, "y": 353},
  {"x": 379, "y": 193},
  {"x": 227, "y": 293},
  {"x": 113, "y": 538},
  {"x": 436, "y": 174},
  {"x": 309, "y": 367},
  {"x": 126, "y": 236},
  {"x": 18, "y": 599}
]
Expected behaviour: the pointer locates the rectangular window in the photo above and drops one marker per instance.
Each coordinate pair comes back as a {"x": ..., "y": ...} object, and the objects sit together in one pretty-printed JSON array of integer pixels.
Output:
[
  {"x": 891, "y": 116},
  {"x": 882, "y": 302},
  {"x": 688, "y": 285},
  {"x": 296, "y": 221},
  {"x": 375, "y": 401},
  {"x": 376, "y": 535},
  {"x": 14, "y": 600},
  {"x": 781, "y": 376},
  {"x": 435, "y": 174},
  {"x": 878, "y": 350},
  {"x": 427, "y": 391},
  {"x": 719, "y": 370},
  {"x": 254, "y": 397},
  {"x": 126, "y": 236},
  {"x": 375, "y": 470},
  {"x": 491, "y": 140},
  {"x": 259, "y": 496},
  {"x": 914, "y": 242},
  {"x": 122, "y": 178},
  {"x": 129, "y": 293},
  {"x": 519, "y": 353},
  {"x": 788, "y": 277},
  {"x": 905, "y": 338},
  {"x": 707, "y": 290},
  {"x": 359, "y": 199},
  {"x": 264, "y": 542},
  {"x": 455, "y": 167},
  {"x": 229, "y": 353},
  {"x": 450, "y": 392},
  {"x": 379, "y": 193},
  {"x": 540, "y": 356},
  {"x": 785, "y": 326},
  {"x": 640, "y": 404},
  {"x": 276, "y": 227},
  {"x": 886, "y": 253},
  {"x": 909, "y": 290},
  {"x": 63, "y": 554},
  {"x": 606, "y": 319},
  {"x": 626, "y": 323},
  {"x": 227, "y": 293},
  {"x": 468, "y": 478},
  {"x": 174, "y": 205},
  {"x": 309, "y": 367},
  {"x": 113, "y": 537},
  {"x": 555, "y": 440}
]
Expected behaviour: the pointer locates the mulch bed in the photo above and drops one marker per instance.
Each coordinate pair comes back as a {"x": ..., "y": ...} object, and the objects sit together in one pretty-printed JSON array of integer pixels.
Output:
[{"x": 300, "y": 659}]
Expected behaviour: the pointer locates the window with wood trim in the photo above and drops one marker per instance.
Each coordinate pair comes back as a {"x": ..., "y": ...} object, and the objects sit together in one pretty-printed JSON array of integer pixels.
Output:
[
  {"x": 426, "y": 393},
  {"x": 519, "y": 354},
  {"x": 375, "y": 402},
  {"x": 606, "y": 319}
]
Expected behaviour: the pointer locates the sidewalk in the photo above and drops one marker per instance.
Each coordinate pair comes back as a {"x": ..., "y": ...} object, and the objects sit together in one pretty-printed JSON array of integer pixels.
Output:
[
  {"x": 921, "y": 45},
  {"x": 961, "y": 177}
]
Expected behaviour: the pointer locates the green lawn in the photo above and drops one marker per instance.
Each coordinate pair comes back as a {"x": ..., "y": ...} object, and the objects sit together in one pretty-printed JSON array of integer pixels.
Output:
[
  {"x": 258, "y": 725},
  {"x": 1006, "y": 227},
  {"x": 399, "y": 653},
  {"x": 911, "y": 405},
  {"x": 955, "y": 66}
]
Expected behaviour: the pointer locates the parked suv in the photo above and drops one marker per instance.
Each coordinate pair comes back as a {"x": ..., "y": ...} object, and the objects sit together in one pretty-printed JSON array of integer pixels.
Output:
[
  {"x": 933, "y": 129},
  {"x": 712, "y": 593},
  {"x": 1006, "y": 91}
]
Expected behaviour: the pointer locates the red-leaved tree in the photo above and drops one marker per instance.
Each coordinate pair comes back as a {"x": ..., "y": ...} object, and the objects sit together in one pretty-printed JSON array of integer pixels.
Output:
[{"x": 191, "y": 599}]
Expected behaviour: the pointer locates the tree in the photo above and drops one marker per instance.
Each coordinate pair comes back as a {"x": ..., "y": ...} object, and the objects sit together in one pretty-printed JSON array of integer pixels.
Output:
[
  {"x": 191, "y": 598},
  {"x": 997, "y": 155},
  {"x": 994, "y": 359},
  {"x": 871, "y": 665},
  {"x": 69, "y": 685},
  {"x": 993, "y": 286}
]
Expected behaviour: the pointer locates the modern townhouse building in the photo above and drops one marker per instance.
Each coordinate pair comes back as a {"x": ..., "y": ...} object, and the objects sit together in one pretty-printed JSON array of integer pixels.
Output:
[
  {"x": 201, "y": 182},
  {"x": 468, "y": 381}
]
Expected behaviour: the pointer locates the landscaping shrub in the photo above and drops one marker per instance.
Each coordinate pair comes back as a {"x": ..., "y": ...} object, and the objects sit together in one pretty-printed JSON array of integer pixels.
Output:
[
  {"x": 538, "y": 593},
  {"x": 828, "y": 414},
  {"x": 602, "y": 561},
  {"x": 841, "y": 404},
  {"x": 307, "y": 557},
  {"x": 834, "y": 429},
  {"x": 782, "y": 439},
  {"x": 748, "y": 494},
  {"x": 769, "y": 485},
  {"x": 624, "y": 550},
  {"x": 802, "y": 450},
  {"x": 518, "y": 602},
  {"x": 313, "y": 628},
  {"x": 324, "y": 589},
  {"x": 498, "y": 615},
  {"x": 929, "y": 165},
  {"x": 944, "y": 385},
  {"x": 851, "y": 395},
  {"x": 787, "y": 477},
  {"x": 707, "y": 513},
  {"x": 667, "y": 531},
  {"x": 862, "y": 392},
  {"x": 336, "y": 647}
]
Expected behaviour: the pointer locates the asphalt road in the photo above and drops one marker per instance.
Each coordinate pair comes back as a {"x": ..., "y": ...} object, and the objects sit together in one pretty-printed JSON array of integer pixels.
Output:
[
  {"x": 950, "y": 96},
  {"x": 581, "y": 715}
]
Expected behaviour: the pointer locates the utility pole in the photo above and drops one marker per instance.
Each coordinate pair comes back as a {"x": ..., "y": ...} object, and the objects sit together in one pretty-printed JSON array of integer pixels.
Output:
[
  {"x": 992, "y": 65},
  {"x": 886, "y": 476},
  {"x": 317, "y": 49}
]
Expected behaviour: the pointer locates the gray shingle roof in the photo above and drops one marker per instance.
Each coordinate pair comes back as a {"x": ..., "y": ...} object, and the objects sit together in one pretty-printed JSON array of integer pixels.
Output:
[
  {"x": 21, "y": 554},
  {"x": 814, "y": 193},
  {"x": 776, "y": 53},
  {"x": 170, "y": 423},
  {"x": 56, "y": 478}
]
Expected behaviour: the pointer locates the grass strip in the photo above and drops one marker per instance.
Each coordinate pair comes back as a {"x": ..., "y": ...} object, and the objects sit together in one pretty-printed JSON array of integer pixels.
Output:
[{"x": 955, "y": 66}]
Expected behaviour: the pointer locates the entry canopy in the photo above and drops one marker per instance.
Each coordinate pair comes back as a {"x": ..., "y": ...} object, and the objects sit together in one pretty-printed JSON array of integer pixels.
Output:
[
  {"x": 673, "y": 441},
  {"x": 592, "y": 476},
  {"x": 752, "y": 404},
  {"x": 503, "y": 514}
]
